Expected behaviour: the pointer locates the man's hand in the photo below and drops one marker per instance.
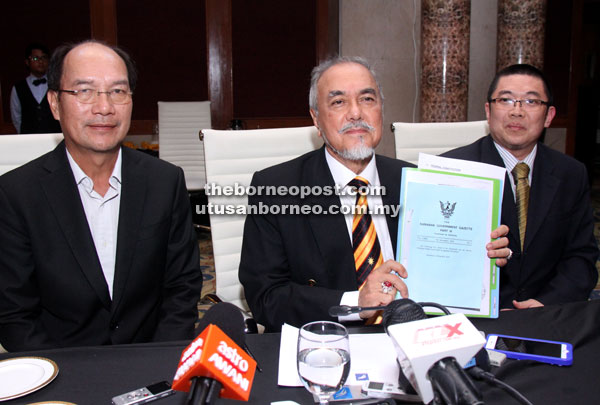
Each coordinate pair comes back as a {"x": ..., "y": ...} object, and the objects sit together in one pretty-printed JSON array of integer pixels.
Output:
[
  {"x": 530, "y": 303},
  {"x": 498, "y": 247},
  {"x": 372, "y": 295}
]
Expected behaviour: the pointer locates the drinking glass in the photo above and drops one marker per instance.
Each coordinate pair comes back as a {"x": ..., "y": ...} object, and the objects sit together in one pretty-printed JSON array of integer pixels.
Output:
[{"x": 323, "y": 358}]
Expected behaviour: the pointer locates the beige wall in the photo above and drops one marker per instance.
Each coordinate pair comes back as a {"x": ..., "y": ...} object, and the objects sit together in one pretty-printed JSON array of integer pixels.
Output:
[
  {"x": 482, "y": 55},
  {"x": 382, "y": 31}
]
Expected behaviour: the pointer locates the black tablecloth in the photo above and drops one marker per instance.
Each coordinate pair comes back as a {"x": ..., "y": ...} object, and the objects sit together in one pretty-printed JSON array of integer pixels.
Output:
[{"x": 93, "y": 375}]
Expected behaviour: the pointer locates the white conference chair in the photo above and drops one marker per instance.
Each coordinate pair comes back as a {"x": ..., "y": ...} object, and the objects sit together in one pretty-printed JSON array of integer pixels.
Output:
[
  {"x": 16, "y": 150},
  {"x": 434, "y": 137},
  {"x": 232, "y": 157},
  {"x": 179, "y": 123}
]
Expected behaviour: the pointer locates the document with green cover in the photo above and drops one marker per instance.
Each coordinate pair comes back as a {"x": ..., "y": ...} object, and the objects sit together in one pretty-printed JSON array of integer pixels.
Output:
[{"x": 445, "y": 222}]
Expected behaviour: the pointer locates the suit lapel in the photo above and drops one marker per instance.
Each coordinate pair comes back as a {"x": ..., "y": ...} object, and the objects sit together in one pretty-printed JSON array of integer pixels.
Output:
[
  {"x": 489, "y": 154},
  {"x": 544, "y": 186},
  {"x": 64, "y": 200},
  {"x": 330, "y": 231},
  {"x": 133, "y": 196},
  {"x": 390, "y": 178}
]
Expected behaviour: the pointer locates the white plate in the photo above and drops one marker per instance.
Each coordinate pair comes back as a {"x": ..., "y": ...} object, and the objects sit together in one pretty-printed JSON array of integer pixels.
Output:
[{"x": 24, "y": 375}]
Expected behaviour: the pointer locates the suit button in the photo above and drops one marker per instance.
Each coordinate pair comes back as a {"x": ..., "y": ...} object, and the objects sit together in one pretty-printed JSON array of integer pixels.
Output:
[
  {"x": 114, "y": 326},
  {"x": 312, "y": 282}
]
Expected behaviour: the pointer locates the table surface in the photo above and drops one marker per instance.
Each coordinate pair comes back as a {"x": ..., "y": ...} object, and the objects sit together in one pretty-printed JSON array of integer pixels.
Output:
[{"x": 93, "y": 375}]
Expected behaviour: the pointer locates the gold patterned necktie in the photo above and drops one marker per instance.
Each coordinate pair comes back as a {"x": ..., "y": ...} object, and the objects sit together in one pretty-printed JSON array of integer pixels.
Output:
[
  {"x": 520, "y": 174},
  {"x": 367, "y": 251}
]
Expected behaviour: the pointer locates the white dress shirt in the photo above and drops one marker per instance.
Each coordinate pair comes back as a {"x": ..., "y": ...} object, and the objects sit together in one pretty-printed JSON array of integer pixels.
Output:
[
  {"x": 510, "y": 162},
  {"x": 39, "y": 92},
  {"x": 102, "y": 213},
  {"x": 342, "y": 176}
]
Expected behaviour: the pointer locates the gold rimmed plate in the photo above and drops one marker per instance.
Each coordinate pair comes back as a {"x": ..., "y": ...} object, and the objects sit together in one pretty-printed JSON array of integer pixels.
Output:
[{"x": 23, "y": 375}]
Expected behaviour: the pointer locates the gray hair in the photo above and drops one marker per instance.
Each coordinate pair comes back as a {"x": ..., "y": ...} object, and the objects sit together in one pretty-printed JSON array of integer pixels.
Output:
[{"x": 318, "y": 71}]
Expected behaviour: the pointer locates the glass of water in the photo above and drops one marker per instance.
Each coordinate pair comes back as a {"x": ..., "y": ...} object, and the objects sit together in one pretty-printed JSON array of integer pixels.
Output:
[{"x": 323, "y": 358}]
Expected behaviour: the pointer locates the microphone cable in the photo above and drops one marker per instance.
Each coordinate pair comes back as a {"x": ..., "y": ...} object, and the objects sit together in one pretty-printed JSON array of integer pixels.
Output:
[
  {"x": 435, "y": 305},
  {"x": 479, "y": 374}
]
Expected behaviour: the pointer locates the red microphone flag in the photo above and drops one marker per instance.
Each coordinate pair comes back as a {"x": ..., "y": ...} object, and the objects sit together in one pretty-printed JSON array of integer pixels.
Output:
[{"x": 214, "y": 355}]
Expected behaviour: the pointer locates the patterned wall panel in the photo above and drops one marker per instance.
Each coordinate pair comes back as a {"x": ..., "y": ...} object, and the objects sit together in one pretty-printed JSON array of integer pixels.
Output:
[
  {"x": 445, "y": 60},
  {"x": 521, "y": 30}
]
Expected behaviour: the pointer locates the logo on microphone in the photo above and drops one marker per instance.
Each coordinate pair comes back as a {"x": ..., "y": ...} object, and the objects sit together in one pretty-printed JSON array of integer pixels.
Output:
[
  {"x": 213, "y": 354},
  {"x": 437, "y": 334}
]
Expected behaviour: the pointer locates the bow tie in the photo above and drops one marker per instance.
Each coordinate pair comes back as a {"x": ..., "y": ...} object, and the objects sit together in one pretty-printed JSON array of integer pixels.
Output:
[{"x": 37, "y": 82}]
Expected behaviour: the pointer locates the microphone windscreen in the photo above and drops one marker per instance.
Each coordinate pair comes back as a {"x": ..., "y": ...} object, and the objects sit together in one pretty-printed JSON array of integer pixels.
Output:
[
  {"x": 401, "y": 311},
  {"x": 228, "y": 317}
]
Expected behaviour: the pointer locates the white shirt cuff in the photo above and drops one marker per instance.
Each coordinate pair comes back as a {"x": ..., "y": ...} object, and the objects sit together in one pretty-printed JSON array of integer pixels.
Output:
[{"x": 349, "y": 298}]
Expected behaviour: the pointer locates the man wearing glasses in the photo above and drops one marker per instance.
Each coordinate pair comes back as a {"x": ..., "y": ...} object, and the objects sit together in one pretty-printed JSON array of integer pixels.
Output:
[
  {"x": 96, "y": 241},
  {"x": 546, "y": 202},
  {"x": 29, "y": 107}
]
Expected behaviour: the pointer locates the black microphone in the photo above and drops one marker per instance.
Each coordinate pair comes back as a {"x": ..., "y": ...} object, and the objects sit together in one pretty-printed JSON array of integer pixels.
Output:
[
  {"x": 343, "y": 310},
  {"x": 229, "y": 319},
  {"x": 448, "y": 378}
]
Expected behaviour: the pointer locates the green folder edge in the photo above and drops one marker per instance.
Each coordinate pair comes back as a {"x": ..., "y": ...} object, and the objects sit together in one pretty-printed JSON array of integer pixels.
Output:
[{"x": 497, "y": 193}]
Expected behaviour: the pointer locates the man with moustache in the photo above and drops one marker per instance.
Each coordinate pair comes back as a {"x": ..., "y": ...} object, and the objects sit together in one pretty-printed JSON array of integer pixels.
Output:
[
  {"x": 295, "y": 267},
  {"x": 96, "y": 241},
  {"x": 554, "y": 250}
]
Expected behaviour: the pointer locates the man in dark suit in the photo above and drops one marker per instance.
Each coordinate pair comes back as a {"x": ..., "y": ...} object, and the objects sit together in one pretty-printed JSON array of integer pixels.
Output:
[
  {"x": 554, "y": 261},
  {"x": 295, "y": 266},
  {"x": 29, "y": 108},
  {"x": 96, "y": 241}
]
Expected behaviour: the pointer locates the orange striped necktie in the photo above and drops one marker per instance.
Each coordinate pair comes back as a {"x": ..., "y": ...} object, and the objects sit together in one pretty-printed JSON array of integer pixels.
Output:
[{"x": 367, "y": 251}]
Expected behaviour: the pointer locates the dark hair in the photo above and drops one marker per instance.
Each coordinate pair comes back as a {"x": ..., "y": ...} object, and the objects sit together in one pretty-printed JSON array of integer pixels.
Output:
[
  {"x": 57, "y": 61},
  {"x": 36, "y": 45},
  {"x": 521, "y": 69}
]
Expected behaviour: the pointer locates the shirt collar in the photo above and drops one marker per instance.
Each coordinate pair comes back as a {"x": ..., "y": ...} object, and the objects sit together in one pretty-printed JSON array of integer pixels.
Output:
[
  {"x": 80, "y": 176},
  {"x": 510, "y": 161},
  {"x": 31, "y": 78},
  {"x": 342, "y": 175}
]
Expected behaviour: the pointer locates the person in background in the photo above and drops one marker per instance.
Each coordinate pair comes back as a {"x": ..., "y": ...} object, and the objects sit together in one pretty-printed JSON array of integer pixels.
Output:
[{"x": 29, "y": 108}]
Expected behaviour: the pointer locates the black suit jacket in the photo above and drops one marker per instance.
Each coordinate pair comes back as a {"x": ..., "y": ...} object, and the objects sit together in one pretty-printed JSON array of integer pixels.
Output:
[
  {"x": 53, "y": 292},
  {"x": 557, "y": 264},
  {"x": 294, "y": 267}
]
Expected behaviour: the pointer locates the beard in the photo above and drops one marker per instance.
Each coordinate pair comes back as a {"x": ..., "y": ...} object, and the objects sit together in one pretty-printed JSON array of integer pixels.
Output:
[{"x": 359, "y": 152}]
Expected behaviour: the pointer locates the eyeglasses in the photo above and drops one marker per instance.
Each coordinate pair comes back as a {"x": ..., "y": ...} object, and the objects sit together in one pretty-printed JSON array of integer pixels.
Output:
[
  {"x": 89, "y": 96},
  {"x": 528, "y": 103},
  {"x": 36, "y": 58}
]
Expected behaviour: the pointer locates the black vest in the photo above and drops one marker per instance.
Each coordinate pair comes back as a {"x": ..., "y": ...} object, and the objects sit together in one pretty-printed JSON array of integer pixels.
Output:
[{"x": 35, "y": 118}]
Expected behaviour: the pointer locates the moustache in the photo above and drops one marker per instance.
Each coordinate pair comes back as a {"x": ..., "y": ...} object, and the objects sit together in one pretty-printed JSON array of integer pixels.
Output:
[{"x": 355, "y": 125}]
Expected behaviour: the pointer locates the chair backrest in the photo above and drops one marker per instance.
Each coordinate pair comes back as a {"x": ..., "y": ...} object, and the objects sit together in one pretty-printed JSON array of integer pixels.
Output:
[
  {"x": 434, "y": 137},
  {"x": 179, "y": 123},
  {"x": 16, "y": 150},
  {"x": 232, "y": 157}
]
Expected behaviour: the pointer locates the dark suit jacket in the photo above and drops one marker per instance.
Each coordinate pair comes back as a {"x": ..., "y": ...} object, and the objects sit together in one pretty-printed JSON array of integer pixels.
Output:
[
  {"x": 294, "y": 267},
  {"x": 53, "y": 292},
  {"x": 558, "y": 260}
]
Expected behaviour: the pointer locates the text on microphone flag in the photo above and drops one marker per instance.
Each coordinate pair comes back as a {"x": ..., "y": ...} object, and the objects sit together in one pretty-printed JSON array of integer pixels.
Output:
[
  {"x": 213, "y": 354},
  {"x": 437, "y": 334}
]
